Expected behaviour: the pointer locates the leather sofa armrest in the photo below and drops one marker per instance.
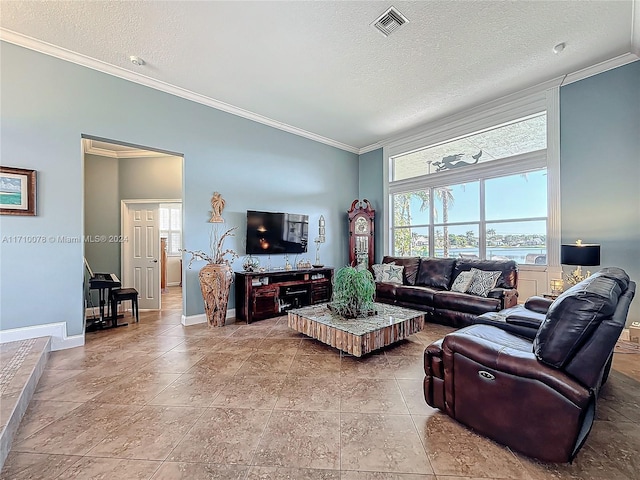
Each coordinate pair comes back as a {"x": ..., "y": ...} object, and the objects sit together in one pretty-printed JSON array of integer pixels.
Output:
[
  {"x": 524, "y": 321},
  {"x": 538, "y": 304},
  {"x": 508, "y": 296},
  {"x": 503, "y": 352}
]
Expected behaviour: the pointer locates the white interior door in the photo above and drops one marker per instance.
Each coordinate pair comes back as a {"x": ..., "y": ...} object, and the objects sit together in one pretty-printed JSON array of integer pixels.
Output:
[{"x": 142, "y": 253}]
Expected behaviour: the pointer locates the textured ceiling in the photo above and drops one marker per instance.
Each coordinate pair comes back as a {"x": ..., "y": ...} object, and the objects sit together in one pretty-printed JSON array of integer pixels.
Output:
[{"x": 321, "y": 67}]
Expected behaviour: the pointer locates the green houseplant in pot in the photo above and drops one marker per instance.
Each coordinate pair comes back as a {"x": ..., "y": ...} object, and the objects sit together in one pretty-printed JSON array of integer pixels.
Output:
[{"x": 353, "y": 293}]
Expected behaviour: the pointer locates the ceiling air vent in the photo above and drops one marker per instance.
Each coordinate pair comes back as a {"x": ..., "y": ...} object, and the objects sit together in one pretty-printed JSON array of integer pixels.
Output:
[{"x": 390, "y": 21}]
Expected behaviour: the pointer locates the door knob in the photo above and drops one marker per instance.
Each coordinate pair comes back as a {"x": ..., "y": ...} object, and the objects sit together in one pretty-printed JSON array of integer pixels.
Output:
[{"x": 155, "y": 260}]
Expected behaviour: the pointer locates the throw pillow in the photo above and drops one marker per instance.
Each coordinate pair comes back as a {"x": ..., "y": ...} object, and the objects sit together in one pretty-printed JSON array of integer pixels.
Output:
[
  {"x": 391, "y": 273},
  {"x": 377, "y": 270},
  {"x": 483, "y": 282},
  {"x": 462, "y": 282}
]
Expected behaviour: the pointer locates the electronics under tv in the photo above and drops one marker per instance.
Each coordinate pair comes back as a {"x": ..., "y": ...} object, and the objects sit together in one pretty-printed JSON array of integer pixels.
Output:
[{"x": 273, "y": 233}]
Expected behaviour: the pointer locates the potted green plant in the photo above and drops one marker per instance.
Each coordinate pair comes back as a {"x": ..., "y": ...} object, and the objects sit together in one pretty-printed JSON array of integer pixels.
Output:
[{"x": 353, "y": 293}]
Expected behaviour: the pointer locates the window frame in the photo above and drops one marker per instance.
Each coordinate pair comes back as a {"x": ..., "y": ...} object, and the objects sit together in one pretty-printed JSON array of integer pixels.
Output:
[
  {"x": 478, "y": 119},
  {"x": 172, "y": 206},
  {"x": 481, "y": 223}
]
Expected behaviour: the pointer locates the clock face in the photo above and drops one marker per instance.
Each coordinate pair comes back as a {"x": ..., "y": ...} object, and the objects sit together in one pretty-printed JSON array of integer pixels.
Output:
[{"x": 362, "y": 225}]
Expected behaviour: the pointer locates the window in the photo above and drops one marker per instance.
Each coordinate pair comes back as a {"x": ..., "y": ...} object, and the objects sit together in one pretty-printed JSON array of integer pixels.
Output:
[
  {"x": 483, "y": 195},
  {"x": 171, "y": 226},
  {"x": 525, "y": 135}
]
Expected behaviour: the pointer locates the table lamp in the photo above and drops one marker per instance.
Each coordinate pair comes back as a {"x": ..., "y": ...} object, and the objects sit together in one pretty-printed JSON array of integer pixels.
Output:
[
  {"x": 579, "y": 255},
  {"x": 556, "y": 286}
]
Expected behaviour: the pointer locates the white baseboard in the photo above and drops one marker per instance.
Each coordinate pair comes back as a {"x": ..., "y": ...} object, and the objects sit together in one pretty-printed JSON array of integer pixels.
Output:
[
  {"x": 57, "y": 332},
  {"x": 202, "y": 318},
  {"x": 173, "y": 284},
  {"x": 193, "y": 319}
]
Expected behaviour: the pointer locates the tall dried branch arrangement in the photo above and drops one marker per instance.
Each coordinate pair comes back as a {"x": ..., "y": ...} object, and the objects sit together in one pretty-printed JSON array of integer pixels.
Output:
[{"x": 218, "y": 254}]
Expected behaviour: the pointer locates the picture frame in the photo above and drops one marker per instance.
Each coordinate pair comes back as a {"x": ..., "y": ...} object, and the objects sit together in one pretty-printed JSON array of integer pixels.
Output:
[{"x": 17, "y": 191}]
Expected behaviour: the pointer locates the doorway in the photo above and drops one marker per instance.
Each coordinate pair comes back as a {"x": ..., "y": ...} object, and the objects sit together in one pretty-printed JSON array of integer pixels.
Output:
[
  {"x": 114, "y": 172},
  {"x": 151, "y": 257}
]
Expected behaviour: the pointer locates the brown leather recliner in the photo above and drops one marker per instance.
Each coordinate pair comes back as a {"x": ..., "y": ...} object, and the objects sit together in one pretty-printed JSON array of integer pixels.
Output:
[{"x": 536, "y": 396}]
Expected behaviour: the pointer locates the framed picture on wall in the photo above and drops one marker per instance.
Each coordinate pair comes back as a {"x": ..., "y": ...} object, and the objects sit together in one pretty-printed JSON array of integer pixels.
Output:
[{"x": 17, "y": 191}]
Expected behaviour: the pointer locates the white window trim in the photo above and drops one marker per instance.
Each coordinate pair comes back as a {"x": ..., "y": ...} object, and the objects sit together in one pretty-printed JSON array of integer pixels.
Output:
[
  {"x": 476, "y": 119},
  {"x": 553, "y": 179},
  {"x": 170, "y": 206}
]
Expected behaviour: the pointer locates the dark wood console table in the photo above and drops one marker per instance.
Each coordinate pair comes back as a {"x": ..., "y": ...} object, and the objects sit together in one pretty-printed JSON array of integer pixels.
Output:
[{"x": 262, "y": 295}]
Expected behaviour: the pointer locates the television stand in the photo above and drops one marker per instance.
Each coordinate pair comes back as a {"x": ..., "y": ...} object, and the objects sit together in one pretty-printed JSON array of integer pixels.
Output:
[{"x": 261, "y": 295}]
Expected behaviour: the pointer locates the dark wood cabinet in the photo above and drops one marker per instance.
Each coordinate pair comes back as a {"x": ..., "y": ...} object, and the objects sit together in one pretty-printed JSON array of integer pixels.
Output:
[
  {"x": 264, "y": 302},
  {"x": 262, "y": 295}
]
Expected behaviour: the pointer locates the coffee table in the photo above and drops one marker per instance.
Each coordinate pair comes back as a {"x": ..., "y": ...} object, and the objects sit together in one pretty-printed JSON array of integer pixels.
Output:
[{"x": 357, "y": 336}]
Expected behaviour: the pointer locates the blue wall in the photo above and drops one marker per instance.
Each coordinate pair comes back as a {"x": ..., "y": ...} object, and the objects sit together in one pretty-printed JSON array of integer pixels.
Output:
[
  {"x": 600, "y": 167},
  {"x": 47, "y": 104},
  {"x": 370, "y": 184}
]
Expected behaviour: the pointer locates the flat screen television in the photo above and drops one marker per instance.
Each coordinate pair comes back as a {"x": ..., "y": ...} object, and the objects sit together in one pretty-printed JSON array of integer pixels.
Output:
[{"x": 271, "y": 232}]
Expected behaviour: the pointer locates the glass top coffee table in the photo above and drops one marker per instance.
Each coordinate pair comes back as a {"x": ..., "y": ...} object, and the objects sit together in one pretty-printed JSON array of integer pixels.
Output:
[{"x": 357, "y": 336}]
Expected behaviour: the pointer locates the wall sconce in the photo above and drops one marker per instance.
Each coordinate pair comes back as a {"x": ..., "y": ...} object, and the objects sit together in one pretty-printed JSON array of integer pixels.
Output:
[
  {"x": 319, "y": 239},
  {"x": 579, "y": 254}
]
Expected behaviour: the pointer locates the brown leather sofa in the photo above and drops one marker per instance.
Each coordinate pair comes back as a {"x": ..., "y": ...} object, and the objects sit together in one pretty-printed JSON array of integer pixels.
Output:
[
  {"x": 426, "y": 284},
  {"x": 538, "y": 396}
]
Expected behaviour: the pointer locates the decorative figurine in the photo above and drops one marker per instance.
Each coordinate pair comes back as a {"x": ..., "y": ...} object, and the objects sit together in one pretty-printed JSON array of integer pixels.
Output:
[{"x": 217, "y": 204}]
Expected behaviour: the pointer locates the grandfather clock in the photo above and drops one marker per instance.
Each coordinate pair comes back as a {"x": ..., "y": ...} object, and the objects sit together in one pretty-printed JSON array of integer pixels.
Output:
[{"x": 361, "y": 217}]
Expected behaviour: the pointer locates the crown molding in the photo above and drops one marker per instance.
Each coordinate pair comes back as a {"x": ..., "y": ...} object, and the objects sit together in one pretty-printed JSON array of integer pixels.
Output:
[
  {"x": 85, "y": 61},
  {"x": 370, "y": 148},
  {"x": 141, "y": 154},
  {"x": 610, "y": 64},
  {"x": 91, "y": 149}
]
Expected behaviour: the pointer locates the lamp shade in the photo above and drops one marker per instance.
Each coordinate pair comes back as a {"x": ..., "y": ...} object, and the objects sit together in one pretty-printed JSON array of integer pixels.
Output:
[{"x": 585, "y": 254}]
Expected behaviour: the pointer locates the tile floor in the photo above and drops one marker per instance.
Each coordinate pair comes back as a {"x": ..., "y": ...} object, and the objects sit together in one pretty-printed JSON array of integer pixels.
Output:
[{"x": 157, "y": 400}]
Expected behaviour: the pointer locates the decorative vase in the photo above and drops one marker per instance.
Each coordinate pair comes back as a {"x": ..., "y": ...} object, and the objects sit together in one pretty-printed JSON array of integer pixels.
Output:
[{"x": 215, "y": 282}]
